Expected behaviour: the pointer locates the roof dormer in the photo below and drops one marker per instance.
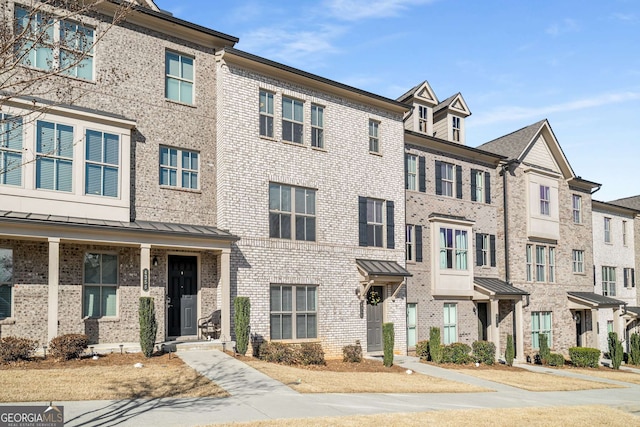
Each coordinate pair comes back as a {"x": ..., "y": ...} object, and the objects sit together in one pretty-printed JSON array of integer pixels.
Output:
[
  {"x": 420, "y": 117},
  {"x": 448, "y": 119}
]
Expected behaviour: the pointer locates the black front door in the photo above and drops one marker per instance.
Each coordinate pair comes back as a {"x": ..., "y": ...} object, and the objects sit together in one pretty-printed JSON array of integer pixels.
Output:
[
  {"x": 374, "y": 319},
  {"x": 483, "y": 321},
  {"x": 578, "y": 319},
  {"x": 182, "y": 296}
]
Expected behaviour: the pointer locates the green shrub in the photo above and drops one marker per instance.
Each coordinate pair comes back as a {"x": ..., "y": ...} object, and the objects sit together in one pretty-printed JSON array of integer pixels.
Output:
[
  {"x": 435, "y": 349},
  {"x": 484, "y": 352},
  {"x": 242, "y": 307},
  {"x": 13, "y": 349},
  {"x": 311, "y": 353},
  {"x": 148, "y": 325},
  {"x": 277, "y": 352},
  {"x": 388, "y": 339},
  {"x": 422, "y": 350},
  {"x": 584, "y": 357},
  {"x": 634, "y": 349},
  {"x": 544, "y": 349},
  {"x": 68, "y": 346},
  {"x": 457, "y": 353},
  {"x": 510, "y": 351},
  {"x": 352, "y": 353},
  {"x": 556, "y": 359},
  {"x": 615, "y": 350}
]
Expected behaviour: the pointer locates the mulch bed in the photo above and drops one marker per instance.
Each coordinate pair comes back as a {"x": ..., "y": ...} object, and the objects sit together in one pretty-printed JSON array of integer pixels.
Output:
[
  {"x": 337, "y": 365},
  {"x": 114, "y": 359}
]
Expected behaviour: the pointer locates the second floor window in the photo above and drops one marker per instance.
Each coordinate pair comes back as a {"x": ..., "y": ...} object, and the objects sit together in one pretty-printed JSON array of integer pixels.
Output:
[
  {"x": 529, "y": 259},
  {"x": 10, "y": 150},
  {"x": 609, "y": 281},
  {"x": 376, "y": 223},
  {"x": 292, "y": 212},
  {"x": 411, "y": 181},
  {"x": 552, "y": 264},
  {"x": 455, "y": 128},
  {"x": 266, "y": 114},
  {"x": 453, "y": 249},
  {"x": 540, "y": 263},
  {"x": 292, "y": 120},
  {"x": 317, "y": 126},
  {"x": 545, "y": 198},
  {"x": 607, "y": 230},
  {"x": 480, "y": 186},
  {"x": 374, "y": 137},
  {"x": 577, "y": 209},
  {"x": 629, "y": 277},
  {"x": 179, "y": 168},
  {"x": 54, "y": 156},
  {"x": 179, "y": 77},
  {"x": 448, "y": 179},
  {"x": 578, "y": 261},
  {"x": 102, "y": 163},
  {"x": 624, "y": 233},
  {"x": 485, "y": 250}
]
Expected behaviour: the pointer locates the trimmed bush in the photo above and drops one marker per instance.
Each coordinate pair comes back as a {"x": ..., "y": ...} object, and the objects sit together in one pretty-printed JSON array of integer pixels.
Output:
[
  {"x": 544, "y": 349},
  {"x": 242, "y": 307},
  {"x": 615, "y": 350},
  {"x": 148, "y": 325},
  {"x": 352, "y": 353},
  {"x": 13, "y": 349},
  {"x": 556, "y": 359},
  {"x": 422, "y": 350},
  {"x": 484, "y": 352},
  {"x": 311, "y": 353},
  {"x": 634, "y": 349},
  {"x": 584, "y": 357},
  {"x": 435, "y": 349},
  {"x": 457, "y": 353},
  {"x": 69, "y": 346},
  {"x": 388, "y": 340},
  {"x": 277, "y": 352},
  {"x": 510, "y": 351}
]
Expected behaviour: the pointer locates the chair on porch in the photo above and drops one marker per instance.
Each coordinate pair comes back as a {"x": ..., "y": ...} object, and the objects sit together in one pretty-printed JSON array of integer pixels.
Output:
[{"x": 209, "y": 326}]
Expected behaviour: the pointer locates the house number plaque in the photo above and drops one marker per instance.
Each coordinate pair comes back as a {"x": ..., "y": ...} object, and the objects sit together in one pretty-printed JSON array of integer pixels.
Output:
[{"x": 145, "y": 280}]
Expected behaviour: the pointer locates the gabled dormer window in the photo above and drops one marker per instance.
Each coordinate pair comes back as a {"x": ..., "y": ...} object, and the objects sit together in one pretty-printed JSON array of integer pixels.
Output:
[
  {"x": 423, "y": 118},
  {"x": 455, "y": 128}
]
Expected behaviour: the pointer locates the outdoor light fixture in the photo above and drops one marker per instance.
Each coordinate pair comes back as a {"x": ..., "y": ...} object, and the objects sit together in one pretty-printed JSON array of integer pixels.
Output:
[
  {"x": 44, "y": 348},
  {"x": 121, "y": 345},
  {"x": 155, "y": 261}
]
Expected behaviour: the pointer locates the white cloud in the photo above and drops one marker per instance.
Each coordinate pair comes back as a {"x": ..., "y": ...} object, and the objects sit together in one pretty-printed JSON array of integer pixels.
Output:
[
  {"x": 567, "y": 25},
  {"x": 354, "y": 10},
  {"x": 624, "y": 17}
]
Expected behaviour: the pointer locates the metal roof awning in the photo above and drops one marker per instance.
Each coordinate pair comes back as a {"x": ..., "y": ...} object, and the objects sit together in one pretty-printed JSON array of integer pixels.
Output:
[
  {"x": 593, "y": 300},
  {"x": 372, "y": 267},
  {"x": 633, "y": 312},
  {"x": 496, "y": 287}
]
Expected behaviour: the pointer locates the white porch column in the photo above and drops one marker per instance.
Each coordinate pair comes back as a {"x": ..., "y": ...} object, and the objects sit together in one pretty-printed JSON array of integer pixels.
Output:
[
  {"x": 54, "y": 285},
  {"x": 495, "y": 327},
  {"x": 145, "y": 268},
  {"x": 519, "y": 331},
  {"x": 225, "y": 304},
  {"x": 594, "y": 328}
]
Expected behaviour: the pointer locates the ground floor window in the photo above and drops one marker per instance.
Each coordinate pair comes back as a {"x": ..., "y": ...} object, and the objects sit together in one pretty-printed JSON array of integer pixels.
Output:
[
  {"x": 412, "y": 320},
  {"x": 294, "y": 312},
  {"x": 450, "y": 323},
  {"x": 6, "y": 279},
  {"x": 540, "y": 325},
  {"x": 100, "y": 285}
]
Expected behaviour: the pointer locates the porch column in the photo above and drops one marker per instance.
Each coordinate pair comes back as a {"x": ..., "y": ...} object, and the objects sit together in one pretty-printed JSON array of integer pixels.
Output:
[
  {"x": 616, "y": 323},
  {"x": 54, "y": 285},
  {"x": 519, "y": 331},
  {"x": 145, "y": 267},
  {"x": 225, "y": 284},
  {"x": 495, "y": 327},
  {"x": 594, "y": 328}
]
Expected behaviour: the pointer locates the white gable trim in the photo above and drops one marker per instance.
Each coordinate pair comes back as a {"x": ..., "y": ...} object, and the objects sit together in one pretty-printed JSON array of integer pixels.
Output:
[
  {"x": 553, "y": 147},
  {"x": 426, "y": 94},
  {"x": 458, "y": 105}
]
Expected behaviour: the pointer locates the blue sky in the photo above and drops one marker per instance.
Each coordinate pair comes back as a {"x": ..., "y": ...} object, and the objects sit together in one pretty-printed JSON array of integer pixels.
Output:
[{"x": 576, "y": 63}]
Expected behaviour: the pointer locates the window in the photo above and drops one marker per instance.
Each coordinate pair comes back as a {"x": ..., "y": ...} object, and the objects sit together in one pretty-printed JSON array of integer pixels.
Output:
[
  {"x": 372, "y": 229},
  {"x": 607, "y": 230},
  {"x": 100, "y": 285},
  {"x": 412, "y": 323},
  {"x": 479, "y": 185},
  {"x": 374, "y": 137},
  {"x": 540, "y": 325},
  {"x": 179, "y": 168},
  {"x": 10, "y": 150},
  {"x": 629, "y": 277},
  {"x": 450, "y": 321},
  {"x": 529, "y": 263},
  {"x": 455, "y": 127},
  {"x": 609, "y": 326},
  {"x": 447, "y": 179},
  {"x": 423, "y": 118},
  {"x": 292, "y": 120},
  {"x": 544, "y": 200},
  {"x": 577, "y": 209},
  {"x": 54, "y": 156},
  {"x": 281, "y": 200},
  {"x": 102, "y": 160},
  {"x": 411, "y": 181},
  {"x": 485, "y": 250},
  {"x": 540, "y": 263},
  {"x": 552, "y": 264},
  {"x": 266, "y": 114},
  {"x": 289, "y": 320},
  {"x": 624, "y": 233},
  {"x": 179, "y": 77},
  {"x": 375, "y": 222},
  {"x": 6, "y": 280},
  {"x": 317, "y": 126},
  {"x": 609, "y": 281},
  {"x": 410, "y": 244},
  {"x": 453, "y": 249},
  {"x": 578, "y": 261},
  {"x": 55, "y": 44}
]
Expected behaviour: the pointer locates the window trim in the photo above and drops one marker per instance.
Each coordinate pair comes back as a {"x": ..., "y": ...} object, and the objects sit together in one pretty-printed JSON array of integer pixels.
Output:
[
  {"x": 541, "y": 263},
  {"x": 180, "y": 78},
  {"x": 545, "y": 200},
  {"x": 293, "y": 213},
  {"x": 577, "y": 258},
  {"x": 453, "y": 253},
  {"x": 103, "y": 164},
  {"x": 292, "y": 121},
  {"x": 410, "y": 243},
  {"x": 412, "y": 175},
  {"x": 179, "y": 168},
  {"x": 101, "y": 285},
  {"x": 374, "y": 136},
  {"x": 529, "y": 263},
  {"x": 608, "y": 279},
  {"x": 7, "y": 132},
  {"x": 577, "y": 208},
  {"x": 535, "y": 333},
  {"x": 294, "y": 313},
  {"x": 317, "y": 128},
  {"x": 455, "y": 128},
  {"x": 57, "y": 158},
  {"x": 624, "y": 233},
  {"x": 269, "y": 116},
  {"x": 423, "y": 119},
  {"x": 607, "y": 229},
  {"x": 9, "y": 284},
  {"x": 447, "y": 326}
]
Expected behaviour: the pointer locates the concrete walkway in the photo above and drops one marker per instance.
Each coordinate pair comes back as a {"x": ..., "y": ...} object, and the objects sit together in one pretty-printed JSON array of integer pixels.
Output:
[{"x": 255, "y": 396}]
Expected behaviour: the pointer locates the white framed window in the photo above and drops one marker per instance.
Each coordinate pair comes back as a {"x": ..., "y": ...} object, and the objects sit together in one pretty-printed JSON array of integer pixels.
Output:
[
  {"x": 552, "y": 264},
  {"x": 607, "y": 230},
  {"x": 540, "y": 263},
  {"x": 412, "y": 173},
  {"x": 375, "y": 222},
  {"x": 412, "y": 324},
  {"x": 423, "y": 118},
  {"x": 545, "y": 199},
  {"x": 609, "y": 281},
  {"x": 179, "y": 168},
  {"x": 317, "y": 126},
  {"x": 484, "y": 250},
  {"x": 577, "y": 208},
  {"x": 102, "y": 160},
  {"x": 6, "y": 283},
  {"x": 479, "y": 187},
  {"x": 578, "y": 261},
  {"x": 609, "y": 326},
  {"x": 455, "y": 127},
  {"x": 624, "y": 233},
  {"x": 529, "y": 267},
  {"x": 410, "y": 248},
  {"x": 374, "y": 136},
  {"x": 453, "y": 249},
  {"x": 448, "y": 179},
  {"x": 266, "y": 114},
  {"x": 629, "y": 278},
  {"x": 54, "y": 156},
  {"x": 450, "y": 323},
  {"x": 100, "y": 288},
  {"x": 10, "y": 150},
  {"x": 282, "y": 200},
  {"x": 541, "y": 325},
  {"x": 179, "y": 77},
  {"x": 292, "y": 120},
  {"x": 293, "y": 318}
]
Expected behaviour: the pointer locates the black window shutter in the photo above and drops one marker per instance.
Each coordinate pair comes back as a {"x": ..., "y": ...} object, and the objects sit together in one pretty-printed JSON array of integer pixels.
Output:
[
  {"x": 492, "y": 248},
  {"x": 487, "y": 187},
  {"x": 418, "y": 237},
  {"x": 459, "y": 182},
  {"x": 633, "y": 277},
  {"x": 626, "y": 280},
  {"x": 473, "y": 185},
  {"x": 406, "y": 171},
  {"x": 422, "y": 175},
  {"x": 478, "y": 249},
  {"x": 438, "y": 178},
  {"x": 390, "y": 225},
  {"x": 362, "y": 220}
]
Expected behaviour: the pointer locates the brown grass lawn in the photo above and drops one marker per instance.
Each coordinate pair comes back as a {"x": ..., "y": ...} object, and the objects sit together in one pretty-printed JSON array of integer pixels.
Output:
[
  {"x": 110, "y": 377},
  {"x": 608, "y": 373},
  {"x": 369, "y": 376}
]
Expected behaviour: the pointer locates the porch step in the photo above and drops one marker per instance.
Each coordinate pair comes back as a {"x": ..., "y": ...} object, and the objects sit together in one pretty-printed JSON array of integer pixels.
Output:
[{"x": 180, "y": 346}]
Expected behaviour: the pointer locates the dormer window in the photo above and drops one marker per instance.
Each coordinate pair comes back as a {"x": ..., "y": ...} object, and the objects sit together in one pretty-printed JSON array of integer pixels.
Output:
[
  {"x": 423, "y": 115},
  {"x": 455, "y": 127}
]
